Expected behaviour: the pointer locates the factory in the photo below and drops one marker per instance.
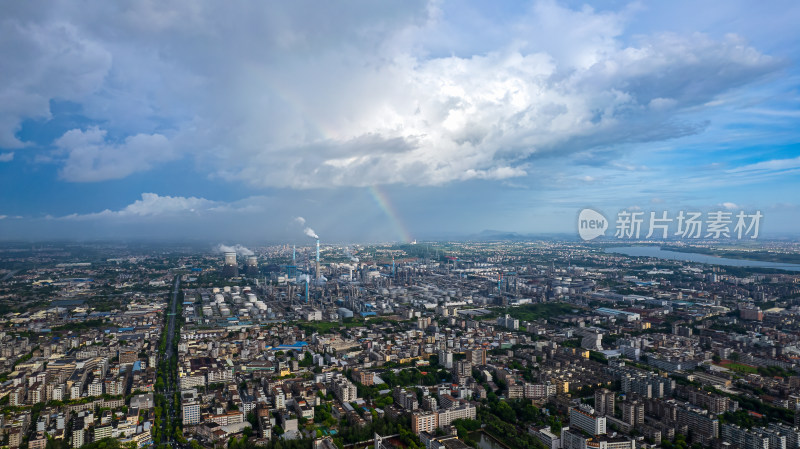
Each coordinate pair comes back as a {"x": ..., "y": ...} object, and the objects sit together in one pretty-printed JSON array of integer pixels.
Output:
[
  {"x": 230, "y": 268},
  {"x": 619, "y": 314}
]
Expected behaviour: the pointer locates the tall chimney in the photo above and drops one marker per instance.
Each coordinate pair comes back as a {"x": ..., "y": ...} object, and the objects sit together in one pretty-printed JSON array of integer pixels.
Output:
[{"x": 318, "y": 273}]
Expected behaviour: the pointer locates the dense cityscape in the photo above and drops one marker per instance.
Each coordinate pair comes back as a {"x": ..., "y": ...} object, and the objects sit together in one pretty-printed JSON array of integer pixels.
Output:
[
  {"x": 493, "y": 345},
  {"x": 543, "y": 224}
]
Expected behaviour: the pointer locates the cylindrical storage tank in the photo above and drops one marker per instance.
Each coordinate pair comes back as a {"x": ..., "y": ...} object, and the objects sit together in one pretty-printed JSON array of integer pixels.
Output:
[{"x": 230, "y": 258}]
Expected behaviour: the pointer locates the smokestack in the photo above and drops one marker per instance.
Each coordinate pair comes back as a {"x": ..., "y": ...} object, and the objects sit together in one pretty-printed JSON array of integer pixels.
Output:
[{"x": 318, "y": 273}]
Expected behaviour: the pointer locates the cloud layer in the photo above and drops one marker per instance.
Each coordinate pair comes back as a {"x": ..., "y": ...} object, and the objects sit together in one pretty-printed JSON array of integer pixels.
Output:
[
  {"x": 90, "y": 157},
  {"x": 159, "y": 207},
  {"x": 287, "y": 95}
]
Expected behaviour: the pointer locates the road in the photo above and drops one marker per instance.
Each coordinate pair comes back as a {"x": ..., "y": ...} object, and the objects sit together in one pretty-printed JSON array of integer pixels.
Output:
[
  {"x": 173, "y": 308},
  {"x": 9, "y": 275},
  {"x": 168, "y": 355}
]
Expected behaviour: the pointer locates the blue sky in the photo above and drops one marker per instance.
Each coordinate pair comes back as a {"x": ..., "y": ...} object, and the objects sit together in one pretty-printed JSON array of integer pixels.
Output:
[{"x": 383, "y": 122}]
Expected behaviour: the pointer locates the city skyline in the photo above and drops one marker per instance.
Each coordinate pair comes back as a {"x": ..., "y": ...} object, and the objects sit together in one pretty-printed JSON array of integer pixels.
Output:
[{"x": 397, "y": 122}]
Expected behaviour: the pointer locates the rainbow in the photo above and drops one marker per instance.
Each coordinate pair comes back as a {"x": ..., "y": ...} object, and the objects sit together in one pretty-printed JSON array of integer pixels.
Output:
[
  {"x": 383, "y": 202},
  {"x": 330, "y": 133}
]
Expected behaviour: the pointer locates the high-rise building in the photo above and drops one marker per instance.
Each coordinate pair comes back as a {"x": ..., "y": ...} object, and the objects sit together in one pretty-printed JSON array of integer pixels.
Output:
[
  {"x": 364, "y": 377},
  {"x": 538, "y": 391},
  {"x": 750, "y": 312},
  {"x": 424, "y": 422},
  {"x": 633, "y": 412},
  {"x": 604, "y": 401},
  {"x": 462, "y": 369},
  {"x": 647, "y": 385},
  {"x": 477, "y": 356},
  {"x": 191, "y": 413},
  {"x": 446, "y": 359},
  {"x": 508, "y": 322},
  {"x": 750, "y": 438},
  {"x": 77, "y": 437},
  {"x": 405, "y": 399},
  {"x": 585, "y": 418},
  {"x": 704, "y": 426},
  {"x": 463, "y": 411},
  {"x": 344, "y": 390}
]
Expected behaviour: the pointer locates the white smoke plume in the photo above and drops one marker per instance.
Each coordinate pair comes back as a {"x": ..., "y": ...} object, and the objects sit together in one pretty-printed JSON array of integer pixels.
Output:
[
  {"x": 238, "y": 249},
  {"x": 349, "y": 254},
  {"x": 310, "y": 232},
  {"x": 307, "y": 231}
]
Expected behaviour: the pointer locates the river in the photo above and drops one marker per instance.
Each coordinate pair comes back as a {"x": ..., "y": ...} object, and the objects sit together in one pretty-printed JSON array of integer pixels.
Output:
[{"x": 657, "y": 252}]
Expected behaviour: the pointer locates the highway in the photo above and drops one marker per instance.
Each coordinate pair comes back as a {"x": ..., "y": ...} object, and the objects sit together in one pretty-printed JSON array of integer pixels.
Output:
[
  {"x": 171, "y": 387},
  {"x": 173, "y": 308}
]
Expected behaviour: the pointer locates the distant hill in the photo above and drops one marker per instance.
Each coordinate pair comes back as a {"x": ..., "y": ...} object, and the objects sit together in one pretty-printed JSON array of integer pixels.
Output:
[{"x": 493, "y": 235}]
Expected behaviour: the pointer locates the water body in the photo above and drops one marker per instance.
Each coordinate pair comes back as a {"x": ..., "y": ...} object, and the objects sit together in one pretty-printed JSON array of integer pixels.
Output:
[
  {"x": 657, "y": 252},
  {"x": 485, "y": 441}
]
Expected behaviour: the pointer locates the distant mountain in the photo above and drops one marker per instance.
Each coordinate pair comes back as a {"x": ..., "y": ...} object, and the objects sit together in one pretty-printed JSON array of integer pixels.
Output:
[{"x": 493, "y": 235}]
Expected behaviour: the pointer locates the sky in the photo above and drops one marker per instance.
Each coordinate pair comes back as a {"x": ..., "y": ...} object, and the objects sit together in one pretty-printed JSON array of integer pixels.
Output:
[{"x": 391, "y": 121}]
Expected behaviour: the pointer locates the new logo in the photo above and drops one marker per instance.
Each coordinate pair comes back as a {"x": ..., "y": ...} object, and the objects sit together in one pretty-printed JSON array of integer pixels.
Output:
[{"x": 591, "y": 224}]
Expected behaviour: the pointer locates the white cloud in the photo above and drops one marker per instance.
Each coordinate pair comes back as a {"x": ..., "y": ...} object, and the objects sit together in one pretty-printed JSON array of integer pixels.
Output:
[
  {"x": 153, "y": 205},
  {"x": 89, "y": 157},
  {"x": 282, "y": 95},
  {"x": 7, "y": 157},
  {"x": 768, "y": 166},
  {"x": 730, "y": 206}
]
